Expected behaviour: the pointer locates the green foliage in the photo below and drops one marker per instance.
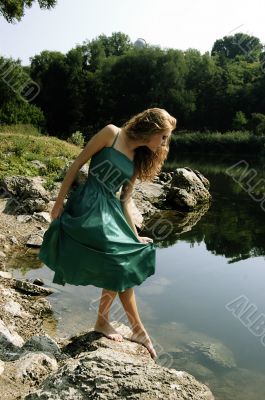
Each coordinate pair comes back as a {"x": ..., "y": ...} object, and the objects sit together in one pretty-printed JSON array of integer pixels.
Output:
[
  {"x": 233, "y": 142},
  {"x": 18, "y": 150},
  {"x": 77, "y": 138},
  {"x": 24, "y": 129},
  {"x": 13, "y": 113},
  {"x": 15, "y": 9},
  {"x": 239, "y": 121},
  {"x": 54, "y": 164},
  {"x": 257, "y": 123},
  {"x": 108, "y": 80},
  {"x": 240, "y": 44}
]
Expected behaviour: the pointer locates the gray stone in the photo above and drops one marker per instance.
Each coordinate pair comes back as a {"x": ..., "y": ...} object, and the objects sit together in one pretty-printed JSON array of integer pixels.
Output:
[
  {"x": 26, "y": 194},
  {"x": 5, "y": 274},
  {"x": 43, "y": 343},
  {"x": 24, "y": 218},
  {"x": 42, "y": 216},
  {"x": 13, "y": 240},
  {"x": 34, "y": 240},
  {"x": 108, "y": 374},
  {"x": 34, "y": 366},
  {"x": 32, "y": 289},
  {"x": 9, "y": 339},
  {"x": 188, "y": 189},
  {"x": 40, "y": 165}
]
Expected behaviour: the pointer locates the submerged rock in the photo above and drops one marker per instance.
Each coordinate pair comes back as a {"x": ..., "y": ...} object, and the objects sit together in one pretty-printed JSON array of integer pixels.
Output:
[{"x": 216, "y": 353}]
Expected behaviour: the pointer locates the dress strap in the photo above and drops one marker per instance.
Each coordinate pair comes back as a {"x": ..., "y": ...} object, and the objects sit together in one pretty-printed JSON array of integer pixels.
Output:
[{"x": 115, "y": 138}]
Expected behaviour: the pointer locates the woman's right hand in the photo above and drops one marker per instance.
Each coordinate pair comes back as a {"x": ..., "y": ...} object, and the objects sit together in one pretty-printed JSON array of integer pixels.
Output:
[{"x": 56, "y": 211}]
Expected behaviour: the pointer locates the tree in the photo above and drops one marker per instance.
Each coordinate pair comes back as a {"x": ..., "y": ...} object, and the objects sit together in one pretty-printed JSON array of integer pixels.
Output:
[
  {"x": 239, "y": 121},
  {"x": 257, "y": 123},
  {"x": 50, "y": 71},
  {"x": 97, "y": 50},
  {"x": 240, "y": 44},
  {"x": 15, "y": 9}
]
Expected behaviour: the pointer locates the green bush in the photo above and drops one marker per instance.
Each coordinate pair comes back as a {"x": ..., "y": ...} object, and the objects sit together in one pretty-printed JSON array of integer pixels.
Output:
[
  {"x": 240, "y": 121},
  {"x": 258, "y": 123},
  {"x": 55, "y": 164},
  {"x": 235, "y": 142},
  {"x": 77, "y": 138}
]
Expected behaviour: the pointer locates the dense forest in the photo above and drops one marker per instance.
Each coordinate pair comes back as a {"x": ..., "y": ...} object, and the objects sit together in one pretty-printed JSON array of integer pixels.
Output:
[{"x": 109, "y": 79}]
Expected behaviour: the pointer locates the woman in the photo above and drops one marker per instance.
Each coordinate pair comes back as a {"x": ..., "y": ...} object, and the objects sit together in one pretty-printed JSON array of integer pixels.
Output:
[{"x": 93, "y": 239}]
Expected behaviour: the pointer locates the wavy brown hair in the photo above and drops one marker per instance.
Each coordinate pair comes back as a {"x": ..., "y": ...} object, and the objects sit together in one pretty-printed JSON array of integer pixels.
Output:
[{"x": 142, "y": 126}]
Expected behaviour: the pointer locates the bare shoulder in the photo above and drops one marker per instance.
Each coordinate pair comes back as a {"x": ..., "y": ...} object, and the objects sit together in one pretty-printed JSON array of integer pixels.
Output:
[
  {"x": 101, "y": 139},
  {"x": 112, "y": 132}
]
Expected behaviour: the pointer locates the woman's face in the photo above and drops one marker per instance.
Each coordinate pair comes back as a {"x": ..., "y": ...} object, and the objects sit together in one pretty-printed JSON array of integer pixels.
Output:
[{"x": 158, "y": 140}]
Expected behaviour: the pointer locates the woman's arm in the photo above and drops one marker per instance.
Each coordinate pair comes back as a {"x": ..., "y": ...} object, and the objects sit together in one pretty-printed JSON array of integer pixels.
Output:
[
  {"x": 126, "y": 199},
  {"x": 128, "y": 215}
]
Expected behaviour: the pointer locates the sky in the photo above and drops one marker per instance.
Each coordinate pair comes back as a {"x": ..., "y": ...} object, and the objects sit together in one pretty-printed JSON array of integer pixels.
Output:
[{"x": 167, "y": 23}]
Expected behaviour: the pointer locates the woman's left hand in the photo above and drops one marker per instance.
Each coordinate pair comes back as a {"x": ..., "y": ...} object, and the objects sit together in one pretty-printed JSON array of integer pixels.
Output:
[{"x": 145, "y": 239}]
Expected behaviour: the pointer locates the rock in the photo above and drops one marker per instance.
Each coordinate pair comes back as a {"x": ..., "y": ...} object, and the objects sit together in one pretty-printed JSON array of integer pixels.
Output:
[
  {"x": 81, "y": 175},
  {"x": 35, "y": 366},
  {"x": 31, "y": 205},
  {"x": 27, "y": 193},
  {"x": 2, "y": 367},
  {"x": 5, "y": 274},
  {"x": 24, "y": 218},
  {"x": 188, "y": 189},
  {"x": 32, "y": 289},
  {"x": 24, "y": 286},
  {"x": 41, "y": 166},
  {"x": 42, "y": 216},
  {"x": 105, "y": 373},
  {"x": 2, "y": 254},
  {"x": 43, "y": 343},
  {"x": 10, "y": 340},
  {"x": 54, "y": 193},
  {"x": 34, "y": 240},
  {"x": 217, "y": 353},
  {"x": 164, "y": 177},
  {"x": 13, "y": 240},
  {"x": 151, "y": 192},
  {"x": 38, "y": 281},
  {"x": 14, "y": 308}
]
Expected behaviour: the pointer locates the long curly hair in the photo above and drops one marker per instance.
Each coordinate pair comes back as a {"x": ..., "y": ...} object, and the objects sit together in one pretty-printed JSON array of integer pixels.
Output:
[{"x": 142, "y": 126}]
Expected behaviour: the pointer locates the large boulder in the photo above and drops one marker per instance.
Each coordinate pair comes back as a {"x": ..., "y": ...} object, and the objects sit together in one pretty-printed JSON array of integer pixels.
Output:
[
  {"x": 26, "y": 194},
  {"x": 101, "y": 368},
  {"x": 188, "y": 189}
]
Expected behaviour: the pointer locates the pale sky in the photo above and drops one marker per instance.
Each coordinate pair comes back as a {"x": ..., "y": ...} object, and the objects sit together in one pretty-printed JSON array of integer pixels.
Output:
[{"x": 168, "y": 23}]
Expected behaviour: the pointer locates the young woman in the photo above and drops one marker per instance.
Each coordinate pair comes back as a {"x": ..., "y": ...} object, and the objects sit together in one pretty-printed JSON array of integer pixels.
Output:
[{"x": 92, "y": 240}]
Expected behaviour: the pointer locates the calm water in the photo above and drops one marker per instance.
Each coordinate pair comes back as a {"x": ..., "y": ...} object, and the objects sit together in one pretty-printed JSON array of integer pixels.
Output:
[{"x": 210, "y": 259}]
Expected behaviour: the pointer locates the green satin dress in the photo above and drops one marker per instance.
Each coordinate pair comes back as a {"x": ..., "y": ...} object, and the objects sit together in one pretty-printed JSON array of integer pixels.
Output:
[{"x": 91, "y": 242}]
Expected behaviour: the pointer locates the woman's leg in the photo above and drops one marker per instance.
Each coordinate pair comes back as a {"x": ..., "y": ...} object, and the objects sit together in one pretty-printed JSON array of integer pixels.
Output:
[
  {"x": 139, "y": 333},
  {"x": 102, "y": 324}
]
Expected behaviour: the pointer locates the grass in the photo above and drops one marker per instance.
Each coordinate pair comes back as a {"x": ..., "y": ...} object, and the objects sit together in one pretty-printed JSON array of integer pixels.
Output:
[
  {"x": 234, "y": 142},
  {"x": 17, "y": 150}
]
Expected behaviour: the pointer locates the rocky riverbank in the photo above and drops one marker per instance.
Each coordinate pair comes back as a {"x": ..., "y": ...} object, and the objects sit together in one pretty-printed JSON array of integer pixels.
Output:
[{"x": 35, "y": 365}]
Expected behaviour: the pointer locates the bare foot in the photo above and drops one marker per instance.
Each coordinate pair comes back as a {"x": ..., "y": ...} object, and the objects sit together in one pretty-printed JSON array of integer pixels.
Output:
[
  {"x": 143, "y": 338},
  {"x": 107, "y": 329}
]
